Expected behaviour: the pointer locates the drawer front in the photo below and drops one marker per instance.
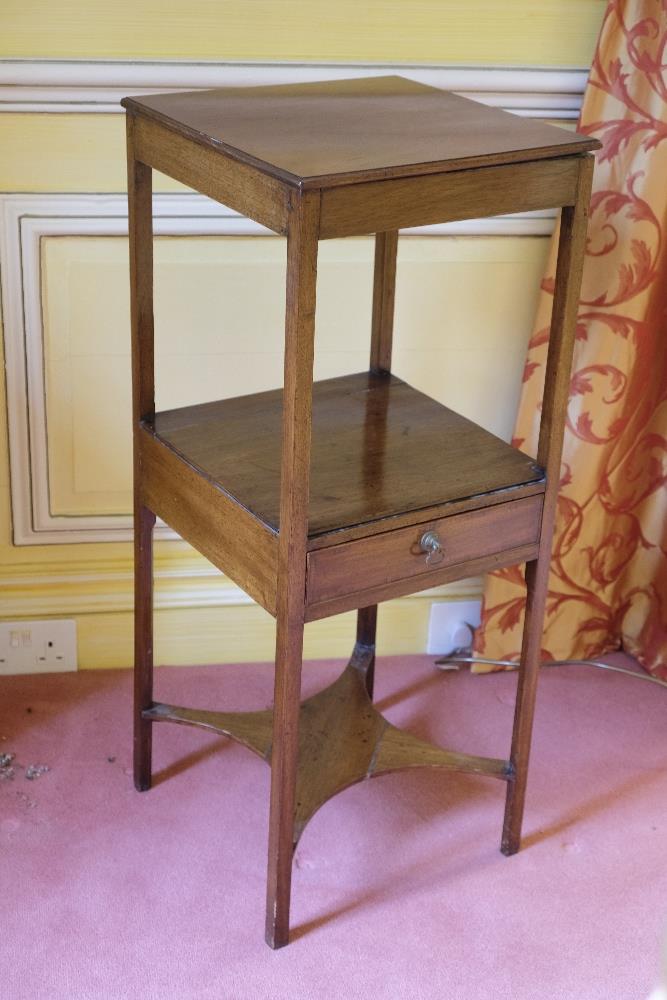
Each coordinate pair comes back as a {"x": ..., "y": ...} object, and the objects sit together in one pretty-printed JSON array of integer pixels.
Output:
[{"x": 373, "y": 562}]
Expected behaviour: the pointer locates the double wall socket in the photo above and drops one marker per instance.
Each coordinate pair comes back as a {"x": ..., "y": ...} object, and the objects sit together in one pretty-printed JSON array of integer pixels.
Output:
[
  {"x": 451, "y": 625},
  {"x": 39, "y": 647}
]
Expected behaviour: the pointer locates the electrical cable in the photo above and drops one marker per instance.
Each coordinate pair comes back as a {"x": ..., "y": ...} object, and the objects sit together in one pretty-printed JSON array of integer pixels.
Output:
[{"x": 453, "y": 659}]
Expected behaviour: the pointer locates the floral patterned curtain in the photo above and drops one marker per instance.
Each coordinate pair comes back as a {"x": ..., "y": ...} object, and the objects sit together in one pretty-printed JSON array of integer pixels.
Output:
[{"x": 608, "y": 582}]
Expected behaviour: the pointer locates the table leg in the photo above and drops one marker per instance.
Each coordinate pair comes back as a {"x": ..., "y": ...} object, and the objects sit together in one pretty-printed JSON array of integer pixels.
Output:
[
  {"x": 144, "y": 520},
  {"x": 571, "y": 249},
  {"x": 366, "y": 631},
  {"x": 140, "y": 229},
  {"x": 382, "y": 328},
  {"x": 384, "y": 291},
  {"x": 302, "y": 243}
]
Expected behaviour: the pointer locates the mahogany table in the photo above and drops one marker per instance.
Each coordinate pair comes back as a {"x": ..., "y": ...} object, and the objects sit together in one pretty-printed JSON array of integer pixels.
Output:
[{"x": 321, "y": 498}]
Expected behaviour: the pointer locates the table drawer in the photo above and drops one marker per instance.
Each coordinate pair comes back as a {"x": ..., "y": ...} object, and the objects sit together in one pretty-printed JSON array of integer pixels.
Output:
[{"x": 404, "y": 555}]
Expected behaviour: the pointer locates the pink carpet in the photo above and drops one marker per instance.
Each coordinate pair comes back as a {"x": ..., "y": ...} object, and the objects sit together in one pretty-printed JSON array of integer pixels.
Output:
[{"x": 399, "y": 888}]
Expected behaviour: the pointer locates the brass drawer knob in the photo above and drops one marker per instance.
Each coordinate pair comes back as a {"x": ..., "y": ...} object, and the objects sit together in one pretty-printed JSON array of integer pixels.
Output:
[{"x": 432, "y": 546}]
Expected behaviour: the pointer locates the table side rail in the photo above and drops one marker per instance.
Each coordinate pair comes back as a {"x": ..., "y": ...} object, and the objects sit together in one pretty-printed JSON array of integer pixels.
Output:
[
  {"x": 237, "y": 185},
  {"x": 379, "y": 206},
  {"x": 224, "y": 532}
]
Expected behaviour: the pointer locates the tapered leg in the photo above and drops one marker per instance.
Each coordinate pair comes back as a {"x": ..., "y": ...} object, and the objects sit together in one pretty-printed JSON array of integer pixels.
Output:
[
  {"x": 382, "y": 328},
  {"x": 571, "y": 249},
  {"x": 284, "y": 760},
  {"x": 302, "y": 239},
  {"x": 536, "y": 578},
  {"x": 366, "y": 629},
  {"x": 140, "y": 210},
  {"x": 144, "y": 520}
]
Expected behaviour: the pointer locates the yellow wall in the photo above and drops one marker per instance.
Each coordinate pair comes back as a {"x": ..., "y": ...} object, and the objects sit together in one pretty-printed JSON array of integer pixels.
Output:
[
  {"x": 463, "y": 311},
  {"x": 475, "y": 362},
  {"x": 67, "y": 153},
  {"x": 518, "y": 32}
]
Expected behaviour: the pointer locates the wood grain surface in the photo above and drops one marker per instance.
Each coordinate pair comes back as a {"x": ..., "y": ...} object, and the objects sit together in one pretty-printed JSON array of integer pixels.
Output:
[
  {"x": 347, "y": 131},
  {"x": 379, "y": 448},
  {"x": 343, "y": 739},
  {"x": 397, "y": 555},
  {"x": 226, "y": 534},
  {"x": 402, "y": 202}
]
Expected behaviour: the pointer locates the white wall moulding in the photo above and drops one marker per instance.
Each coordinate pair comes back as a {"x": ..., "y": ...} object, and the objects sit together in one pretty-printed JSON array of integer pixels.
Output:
[
  {"x": 46, "y": 85},
  {"x": 181, "y": 582},
  {"x": 79, "y": 588},
  {"x": 24, "y": 221}
]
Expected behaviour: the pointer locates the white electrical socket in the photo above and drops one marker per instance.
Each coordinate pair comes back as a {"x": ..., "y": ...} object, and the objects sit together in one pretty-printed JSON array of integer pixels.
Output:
[
  {"x": 450, "y": 625},
  {"x": 39, "y": 647}
]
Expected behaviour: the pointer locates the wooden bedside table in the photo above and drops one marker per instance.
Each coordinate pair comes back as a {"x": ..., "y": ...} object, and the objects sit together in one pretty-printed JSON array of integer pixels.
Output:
[{"x": 318, "y": 499}]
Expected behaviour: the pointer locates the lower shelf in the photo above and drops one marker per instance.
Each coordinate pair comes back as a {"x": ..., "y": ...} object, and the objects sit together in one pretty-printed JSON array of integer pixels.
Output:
[
  {"x": 380, "y": 450},
  {"x": 389, "y": 467},
  {"x": 343, "y": 740}
]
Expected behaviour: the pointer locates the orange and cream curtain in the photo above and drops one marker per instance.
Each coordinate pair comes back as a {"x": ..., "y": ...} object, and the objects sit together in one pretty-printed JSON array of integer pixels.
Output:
[{"x": 608, "y": 582}]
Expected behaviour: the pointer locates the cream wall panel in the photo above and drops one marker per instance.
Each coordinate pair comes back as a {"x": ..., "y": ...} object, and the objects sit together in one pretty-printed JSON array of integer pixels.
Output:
[
  {"x": 21, "y": 561},
  {"x": 551, "y": 32},
  {"x": 462, "y": 320},
  {"x": 28, "y": 222},
  {"x": 4, "y": 443},
  {"x": 464, "y": 308}
]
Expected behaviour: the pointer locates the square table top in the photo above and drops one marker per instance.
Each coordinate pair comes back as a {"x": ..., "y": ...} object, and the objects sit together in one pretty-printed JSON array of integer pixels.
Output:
[{"x": 315, "y": 135}]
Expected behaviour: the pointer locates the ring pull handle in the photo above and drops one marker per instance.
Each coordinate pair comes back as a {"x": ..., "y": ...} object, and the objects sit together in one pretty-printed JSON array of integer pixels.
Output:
[{"x": 432, "y": 546}]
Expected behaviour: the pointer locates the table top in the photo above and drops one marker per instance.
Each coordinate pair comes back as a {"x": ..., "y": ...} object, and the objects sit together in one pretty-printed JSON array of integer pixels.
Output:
[{"x": 314, "y": 135}]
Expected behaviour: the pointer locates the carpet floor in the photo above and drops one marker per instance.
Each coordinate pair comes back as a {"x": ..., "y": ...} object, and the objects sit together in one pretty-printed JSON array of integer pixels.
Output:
[{"x": 399, "y": 888}]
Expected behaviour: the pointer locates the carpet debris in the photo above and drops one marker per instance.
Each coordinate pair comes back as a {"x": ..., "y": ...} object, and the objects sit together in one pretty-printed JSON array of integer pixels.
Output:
[
  {"x": 33, "y": 771},
  {"x": 8, "y": 768},
  {"x": 7, "y": 771}
]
